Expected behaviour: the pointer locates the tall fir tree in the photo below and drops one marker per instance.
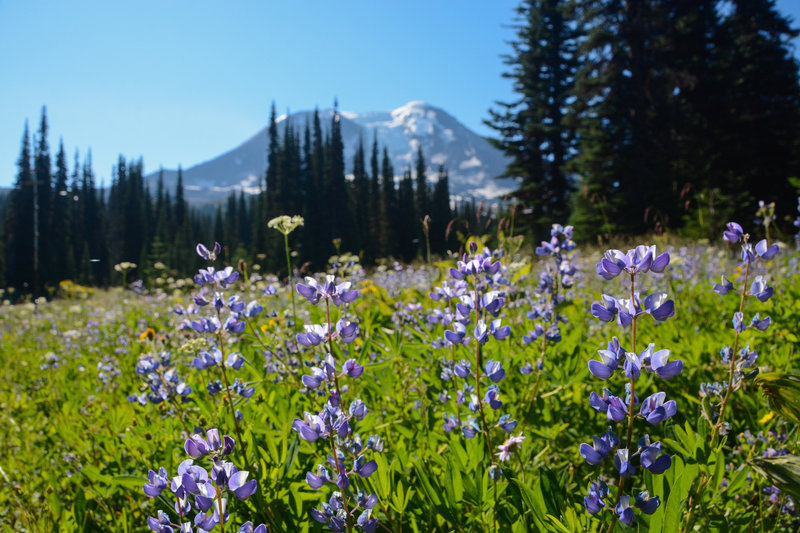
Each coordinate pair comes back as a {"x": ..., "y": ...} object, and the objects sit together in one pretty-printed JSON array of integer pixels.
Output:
[
  {"x": 19, "y": 221},
  {"x": 389, "y": 211},
  {"x": 375, "y": 204},
  {"x": 335, "y": 186},
  {"x": 441, "y": 212},
  {"x": 532, "y": 130},
  {"x": 61, "y": 222},
  {"x": 43, "y": 260},
  {"x": 421, "y": 192},
  {"x": 762, "y": 96},
  {"x": 407, "y": 219},
  {"x": 359, "y": 201}
]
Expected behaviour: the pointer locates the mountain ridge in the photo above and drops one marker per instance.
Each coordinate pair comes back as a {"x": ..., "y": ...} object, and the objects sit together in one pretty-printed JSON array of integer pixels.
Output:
[{"x": 471, "y": 161}]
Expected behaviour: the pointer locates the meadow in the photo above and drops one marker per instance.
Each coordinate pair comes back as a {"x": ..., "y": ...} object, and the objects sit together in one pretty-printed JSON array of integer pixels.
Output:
[{"x": 451, "y": 396}]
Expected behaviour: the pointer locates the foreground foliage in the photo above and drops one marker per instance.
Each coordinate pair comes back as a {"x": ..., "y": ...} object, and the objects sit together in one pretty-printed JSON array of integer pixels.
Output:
[{"x": 78, "y": 449}]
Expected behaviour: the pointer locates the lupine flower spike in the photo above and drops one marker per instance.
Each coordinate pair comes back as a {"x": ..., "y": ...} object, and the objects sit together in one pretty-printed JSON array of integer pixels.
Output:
[{"x": 615, "y": 359}]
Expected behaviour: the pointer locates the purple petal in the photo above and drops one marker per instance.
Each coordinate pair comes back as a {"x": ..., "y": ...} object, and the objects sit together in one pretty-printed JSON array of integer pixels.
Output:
[
  {"x": 246, "y": 490},
  {"x": 660, "y": 262},
  {"x": 600, "y": 370},
  {"x": 661, "y": 464},
  {"x": 368, "y": 469},
  {"x": 670, "y": 370},
  {"x": 590, "y": 454}
]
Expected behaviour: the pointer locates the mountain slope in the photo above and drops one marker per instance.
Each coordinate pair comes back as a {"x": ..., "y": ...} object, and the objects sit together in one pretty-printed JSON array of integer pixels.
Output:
[{"x": 472, "y": 163}]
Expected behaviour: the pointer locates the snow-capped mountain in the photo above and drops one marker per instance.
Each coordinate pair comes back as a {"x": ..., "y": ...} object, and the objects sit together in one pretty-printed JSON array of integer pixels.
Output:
[{"x": 472, "y": 163}]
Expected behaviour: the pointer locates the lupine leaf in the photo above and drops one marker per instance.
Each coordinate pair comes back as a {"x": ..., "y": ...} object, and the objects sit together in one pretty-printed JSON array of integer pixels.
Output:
[
  {"x": 781, "y": 471},
  {"x": 782, "y": 390}
]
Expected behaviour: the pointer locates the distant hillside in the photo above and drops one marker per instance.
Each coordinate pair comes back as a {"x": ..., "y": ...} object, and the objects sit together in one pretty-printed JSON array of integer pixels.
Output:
[{"x": 471, "y": 161}]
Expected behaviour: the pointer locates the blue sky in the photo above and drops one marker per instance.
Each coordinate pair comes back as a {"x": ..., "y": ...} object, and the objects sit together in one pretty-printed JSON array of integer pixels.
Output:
[{"x": 179, "y": 81}]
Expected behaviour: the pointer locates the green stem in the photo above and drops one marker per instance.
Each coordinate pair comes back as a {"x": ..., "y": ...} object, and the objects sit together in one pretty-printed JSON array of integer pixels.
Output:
[
  {"x": 630, "y": 403},
  {"x": 220, "y": 341},
  {"x": 290, "y": 278},
  {"x": 729, "y": 390}
]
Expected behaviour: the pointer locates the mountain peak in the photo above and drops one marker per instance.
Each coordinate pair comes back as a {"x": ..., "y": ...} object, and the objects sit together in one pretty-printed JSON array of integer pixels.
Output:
[{"x": 472, "y": 163}]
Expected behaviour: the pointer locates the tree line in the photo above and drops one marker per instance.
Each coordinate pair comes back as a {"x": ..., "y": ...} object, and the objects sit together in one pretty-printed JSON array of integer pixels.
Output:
[
  {"x": 57, "y": 223},
  {"x": 633, "y": 116}
]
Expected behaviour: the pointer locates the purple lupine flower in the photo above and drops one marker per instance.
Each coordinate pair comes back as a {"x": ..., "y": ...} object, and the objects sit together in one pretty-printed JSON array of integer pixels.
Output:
[
  {"x": 766, "y": 252},
  {"x": 492, "y": 397},
  {"x": 632, "y": 365},
  {"x": 760, "y": 289},
  {"x": 623, "y": 464},
  {"x": 656, "y": 362},
  {"x": 160, "y": 524},
  {"x": 597, "y": 452},
  {"x": 358, "y": 409},
  {"x": 655, "y": 409},
  {"x": 347, "y": 331},
  {"x": 206, "y": 359},
  {"x": 364, "y": 468},
  {"x": 506, "y": 424},
  {"x": 242, "y": 488},
  {"x": 760, "y": 324},
  {"x": 600, "y": 403},
  {"x": 253, "y": 308},
  {"x": 458, "y": 336},
  {"x": 733, "y": 233},
  {"x": 196, "y": 446},
  {"x": 352, "y": 369},
  {"x": 537, "y": 332},
  {"x": 315, "y": 379},
  {"x": 738, "y": 322},
  {"x": 314, "y": 334},
  {"x": 605, "y": 368},
  {"x": 617, "y": 409},
  {"x": 247, "y": 527},
  {"x": 157, "y": 482},
  {"x": 462, "y": 369},
  {"x": 494, "y": 371},
  {"x": 659, "y": 306},
  {"x": 625, "y": 511},
  {"x": 647, "y": 504},
  {"x": 204, "y": 252},
  {"x": 553, "y": 334},
  {"x": 605, "y": 311},
  {"x": 724, "y": 287},
  {"x": 594, "y": 501},
  {"x": 311, "y": 428},
  {"x": 650, "y": 456},
  {"x": 635, "y": 261},
  {"x": 450, "y": 423},
  {"x": 470, "y": 428}
]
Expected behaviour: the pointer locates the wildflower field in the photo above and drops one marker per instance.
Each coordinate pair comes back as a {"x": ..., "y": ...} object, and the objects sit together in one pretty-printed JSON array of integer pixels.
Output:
[{"x": 651, "y": 388}]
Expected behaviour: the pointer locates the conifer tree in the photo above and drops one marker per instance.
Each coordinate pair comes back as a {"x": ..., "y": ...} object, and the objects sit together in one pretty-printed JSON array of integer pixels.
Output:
[
  {"x": 407, "y": 218},
  {"x": 421, "y": 192},
  {"x": 43, "y": 260},
  {"x": 359, "y": 202},
  {"x": 61, "y": 239},
  {"x": 19, "y": 221},
  {"x": 335, "y": 186},
  {"x": 388, "y": 226},
  {"x": 375, "y": 204},
  {"x": 532, "y": 129},
  {"x": 180, "y": 202},
  {"x": 441, "y": 212},
  {"x": 272, "y": 164},
  {"x": 762, "y": 98},
  {"x": 78, "y": 239}
]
